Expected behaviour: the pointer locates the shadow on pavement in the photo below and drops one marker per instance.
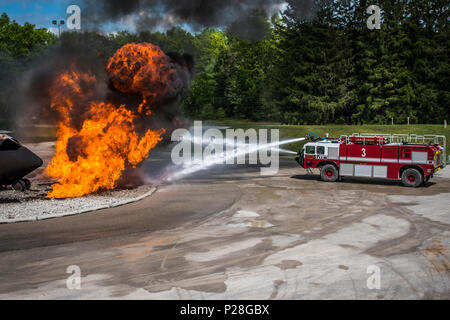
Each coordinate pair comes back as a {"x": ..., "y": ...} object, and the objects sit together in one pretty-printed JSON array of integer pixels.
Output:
[{"x": 365, "y": 181}]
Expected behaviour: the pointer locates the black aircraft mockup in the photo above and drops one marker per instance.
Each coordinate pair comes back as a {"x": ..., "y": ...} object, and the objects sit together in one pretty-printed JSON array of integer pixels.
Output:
[{"x": 16, "y": 162}]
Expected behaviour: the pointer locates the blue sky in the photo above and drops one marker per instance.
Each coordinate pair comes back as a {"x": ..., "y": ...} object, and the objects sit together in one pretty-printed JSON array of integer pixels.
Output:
[{"x": 40, "y": 12}]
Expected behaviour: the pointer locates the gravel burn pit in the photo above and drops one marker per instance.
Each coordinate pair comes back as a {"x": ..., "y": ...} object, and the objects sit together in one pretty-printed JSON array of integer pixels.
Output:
[{"x": 33, "y": 205}]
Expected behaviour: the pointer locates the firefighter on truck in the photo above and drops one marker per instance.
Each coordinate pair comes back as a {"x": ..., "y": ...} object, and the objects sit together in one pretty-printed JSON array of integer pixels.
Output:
[{"x": 372, "y": 157}]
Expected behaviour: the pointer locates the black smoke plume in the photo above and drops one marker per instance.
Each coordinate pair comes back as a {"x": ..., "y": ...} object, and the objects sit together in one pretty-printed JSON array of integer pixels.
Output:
[
  {"x": 82, "y": 52},
  {"x": 148, "y": 15}
]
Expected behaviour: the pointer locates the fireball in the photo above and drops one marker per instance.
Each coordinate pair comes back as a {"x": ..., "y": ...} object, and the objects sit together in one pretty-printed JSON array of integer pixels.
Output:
[{"x": 97, "y": 140}]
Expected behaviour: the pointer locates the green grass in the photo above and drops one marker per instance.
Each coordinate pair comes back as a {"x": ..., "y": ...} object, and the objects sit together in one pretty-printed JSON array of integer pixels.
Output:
[
  {"x": 335, "y": 131},
  {"x": 35, "y": 133},
  {"x": 47, "y": 133}
]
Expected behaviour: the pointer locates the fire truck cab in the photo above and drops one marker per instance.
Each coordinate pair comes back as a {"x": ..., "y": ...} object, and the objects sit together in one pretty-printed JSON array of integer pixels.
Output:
[{"x": 413, "y": 159}]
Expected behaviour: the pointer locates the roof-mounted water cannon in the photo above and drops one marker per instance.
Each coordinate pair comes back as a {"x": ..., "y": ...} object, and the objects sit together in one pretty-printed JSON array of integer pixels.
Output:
[{"x": 315, "y": 137}]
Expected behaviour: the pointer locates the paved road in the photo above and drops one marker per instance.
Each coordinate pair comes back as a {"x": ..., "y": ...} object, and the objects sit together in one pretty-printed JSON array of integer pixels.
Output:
[{"x": 231, "y": 233}]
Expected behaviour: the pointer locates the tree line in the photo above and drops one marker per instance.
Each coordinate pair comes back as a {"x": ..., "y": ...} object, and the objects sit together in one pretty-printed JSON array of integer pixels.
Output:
[{"x": 328, "y": 69}]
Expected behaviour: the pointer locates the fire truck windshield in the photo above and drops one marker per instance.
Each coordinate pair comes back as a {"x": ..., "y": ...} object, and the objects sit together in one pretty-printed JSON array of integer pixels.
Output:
[{"x": 310, "y": 150}]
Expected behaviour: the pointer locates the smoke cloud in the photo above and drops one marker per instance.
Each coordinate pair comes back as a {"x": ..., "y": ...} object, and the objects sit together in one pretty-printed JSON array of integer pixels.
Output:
[
  {"x": 148, "y": 15},
  {"x": 79, "y": 51}
]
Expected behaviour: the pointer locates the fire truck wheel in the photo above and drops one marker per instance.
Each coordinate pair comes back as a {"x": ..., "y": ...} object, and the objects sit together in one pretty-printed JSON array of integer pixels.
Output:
[
  {"x": 412, "y": 178},
  {"x": 329, "y": 173}
]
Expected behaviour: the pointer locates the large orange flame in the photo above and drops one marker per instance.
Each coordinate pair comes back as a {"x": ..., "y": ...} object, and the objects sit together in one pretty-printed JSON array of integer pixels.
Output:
[{"x": 98, "y": 140}]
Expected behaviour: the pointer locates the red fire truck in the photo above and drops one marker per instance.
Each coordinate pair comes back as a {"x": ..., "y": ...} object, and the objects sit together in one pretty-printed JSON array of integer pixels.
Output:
[{"x": 411, "y": 158}]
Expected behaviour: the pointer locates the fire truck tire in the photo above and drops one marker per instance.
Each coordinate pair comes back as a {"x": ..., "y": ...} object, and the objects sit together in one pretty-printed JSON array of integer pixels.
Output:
[
  {"x": 329, "y": 173},
  {"x": 412, "y": 178}
]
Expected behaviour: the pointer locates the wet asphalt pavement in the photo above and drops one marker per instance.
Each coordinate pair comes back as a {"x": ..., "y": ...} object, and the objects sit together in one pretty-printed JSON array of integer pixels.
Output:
[{"x": 231, "y": 233}]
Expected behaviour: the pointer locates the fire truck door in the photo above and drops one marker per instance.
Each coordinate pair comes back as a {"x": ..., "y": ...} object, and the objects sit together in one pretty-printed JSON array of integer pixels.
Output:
[{"x": 389, "y": 157}]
